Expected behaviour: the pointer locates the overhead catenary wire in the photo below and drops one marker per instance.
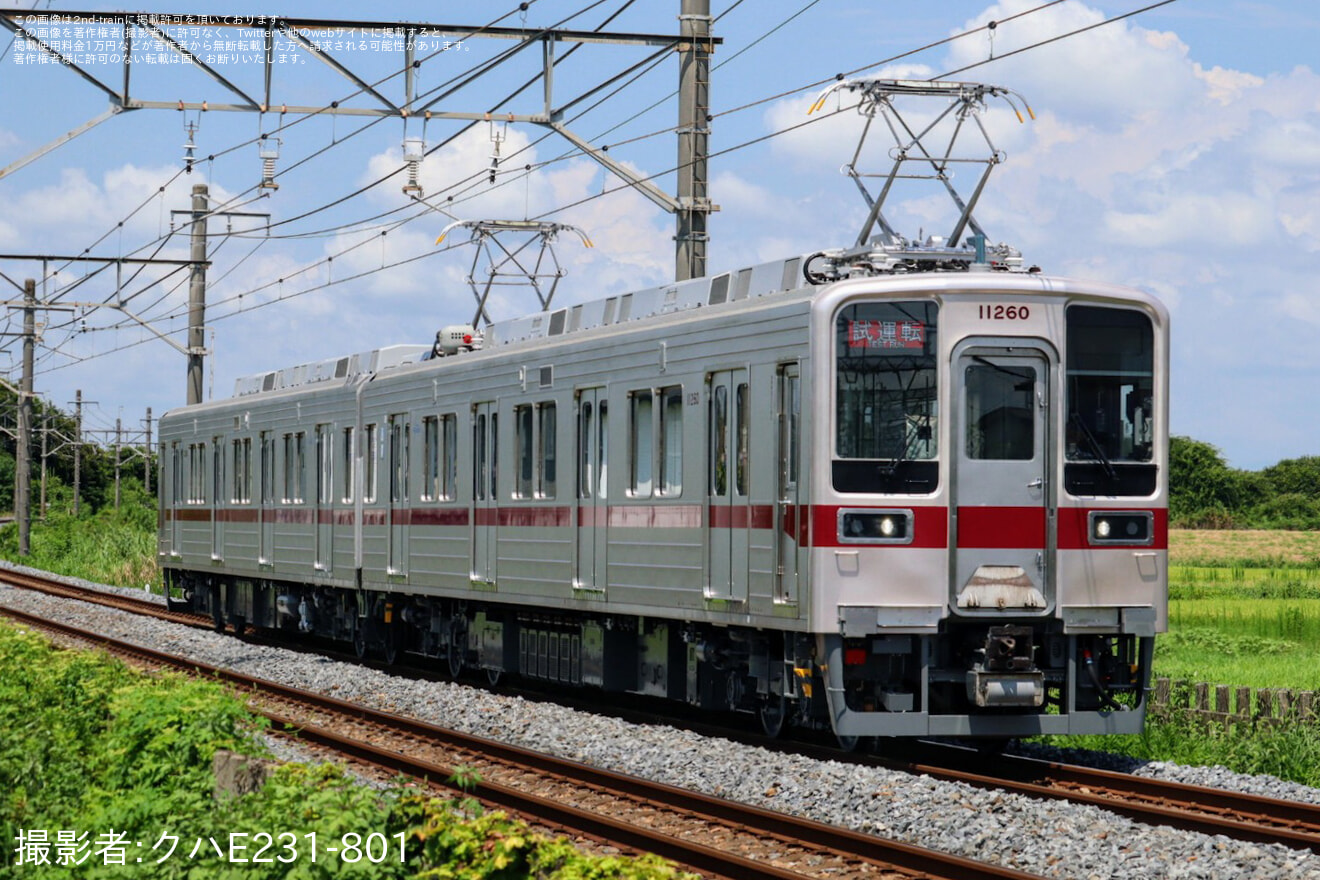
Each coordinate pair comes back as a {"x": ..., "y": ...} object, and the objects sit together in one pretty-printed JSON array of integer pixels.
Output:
[{"x": 742, "y": 145}]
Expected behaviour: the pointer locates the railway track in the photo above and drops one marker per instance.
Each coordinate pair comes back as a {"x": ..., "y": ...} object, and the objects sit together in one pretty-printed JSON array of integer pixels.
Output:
[
  {"x": 716, "y": 837},
  {"x": 1154, "y": 802},
  {"x": 1151, "y": 801}
]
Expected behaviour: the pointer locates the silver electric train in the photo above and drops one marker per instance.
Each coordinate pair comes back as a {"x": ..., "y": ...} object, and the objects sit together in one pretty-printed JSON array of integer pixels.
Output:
[{"x": 836, "y": 491}]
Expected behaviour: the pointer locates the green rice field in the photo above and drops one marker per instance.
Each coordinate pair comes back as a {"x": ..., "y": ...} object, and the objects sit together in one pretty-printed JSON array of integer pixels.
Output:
[{"x": 1244, "y": 609}]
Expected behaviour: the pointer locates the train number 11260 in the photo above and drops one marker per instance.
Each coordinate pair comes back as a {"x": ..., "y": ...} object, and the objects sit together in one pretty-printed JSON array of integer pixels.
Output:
[{"x": 1003, "y": 313}]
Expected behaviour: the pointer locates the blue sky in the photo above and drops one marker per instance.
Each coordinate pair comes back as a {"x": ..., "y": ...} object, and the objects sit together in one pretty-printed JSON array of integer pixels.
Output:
[{"x": 1177, "y": 151}]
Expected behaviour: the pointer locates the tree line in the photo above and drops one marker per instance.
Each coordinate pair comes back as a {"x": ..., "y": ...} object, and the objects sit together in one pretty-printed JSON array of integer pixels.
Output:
[
  {"x": 1205, "y": 493},
  {"x": 94, "y": 463}
]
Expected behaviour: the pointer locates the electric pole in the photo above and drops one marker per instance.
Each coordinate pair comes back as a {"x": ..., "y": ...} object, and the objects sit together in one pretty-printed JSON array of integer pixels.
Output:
[
  {"x": 146, "y": 468},
  {"x": 693, "y": 140},
  {"x": 45, "y": 431},
  {"x": 197, "y": 295},
  {"x": 77, "y": 450},
  {"x": 23, "y": 476},
  {"x": 119, "y": 437}
]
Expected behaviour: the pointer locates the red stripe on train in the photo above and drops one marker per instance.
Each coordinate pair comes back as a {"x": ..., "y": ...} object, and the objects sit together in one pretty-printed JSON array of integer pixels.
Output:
[
  {"x": 810, "y": 525},
  {"x": 996, "y": 527}
]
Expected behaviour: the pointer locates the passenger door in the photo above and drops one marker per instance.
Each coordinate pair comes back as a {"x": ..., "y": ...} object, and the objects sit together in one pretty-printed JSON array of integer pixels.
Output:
[
  {"x": 592, "y": 514},
  {"x": 266, "y": 511},
  {"x": 788, "y": 503},
  {"x": 324, "y": 515},
  {"x": 400, "y": 440},
  {"x": 217, "y": 498},
  {"x": 1001, "y": 524},
  {"x": 728, "y": 502}
]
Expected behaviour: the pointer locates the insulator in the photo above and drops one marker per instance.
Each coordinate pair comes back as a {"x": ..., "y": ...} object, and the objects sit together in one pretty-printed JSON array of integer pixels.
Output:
[
  {"x": 269, "y": 150},
  {"x": 414, "y": 149},
  {"x": 268, "y": 174}
]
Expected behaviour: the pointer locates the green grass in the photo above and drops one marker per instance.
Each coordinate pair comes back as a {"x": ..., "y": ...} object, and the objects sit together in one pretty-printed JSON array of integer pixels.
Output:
[
  {"x": 109, "y": 546},
  {"x": 1289, "y": 752}
]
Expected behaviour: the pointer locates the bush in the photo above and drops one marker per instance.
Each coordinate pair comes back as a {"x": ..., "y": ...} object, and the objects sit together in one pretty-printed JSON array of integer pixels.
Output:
[
  {"x": 1292, "y": 510},
  {"x": 92, "y": 747}
]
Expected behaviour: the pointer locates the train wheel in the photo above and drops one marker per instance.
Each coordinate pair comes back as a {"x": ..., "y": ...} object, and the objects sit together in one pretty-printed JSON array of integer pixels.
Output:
[
  {"x": 360, "y": 638},
  {"x": 393, "y": 644},
  {"x": 773, "y": 714},
  {"x": 217, "y": 611},
  {"x": 493, "y": 677},
  {"x": 848, "y": 743},
  {"x": 457, "y": 638}
]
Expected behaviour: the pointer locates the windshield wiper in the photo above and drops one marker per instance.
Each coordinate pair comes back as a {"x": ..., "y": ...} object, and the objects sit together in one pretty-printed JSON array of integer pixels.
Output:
[{"x": 1096, "y": 449}]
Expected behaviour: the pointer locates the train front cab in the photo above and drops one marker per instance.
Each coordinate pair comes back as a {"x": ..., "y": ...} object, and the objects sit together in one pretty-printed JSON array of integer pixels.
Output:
[{"x": 991, "y": 530}]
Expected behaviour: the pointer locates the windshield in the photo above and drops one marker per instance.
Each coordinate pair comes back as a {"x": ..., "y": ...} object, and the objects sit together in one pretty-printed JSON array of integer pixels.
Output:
[
  {"x": 885, "y": 383},
  {"x": 1110, "y": 385}
]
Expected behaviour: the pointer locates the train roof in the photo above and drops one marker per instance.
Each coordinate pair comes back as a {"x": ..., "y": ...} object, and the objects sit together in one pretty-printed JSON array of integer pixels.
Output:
[{"x": 931, "y": 258}]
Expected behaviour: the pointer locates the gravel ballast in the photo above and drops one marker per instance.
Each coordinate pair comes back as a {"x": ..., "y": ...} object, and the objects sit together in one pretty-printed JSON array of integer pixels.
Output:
[{"x": 1053, "y": 839}]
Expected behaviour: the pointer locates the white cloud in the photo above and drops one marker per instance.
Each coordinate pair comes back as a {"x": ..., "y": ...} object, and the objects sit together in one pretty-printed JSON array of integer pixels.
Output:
[
  {"x": 1108, "y": 73},
  {"x": 1218, "y": 219}
]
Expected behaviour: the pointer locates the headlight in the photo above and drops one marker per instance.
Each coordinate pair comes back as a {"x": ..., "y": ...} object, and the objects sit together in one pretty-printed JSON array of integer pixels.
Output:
[
  {"x": 875, "y": 526},
  {"x": 1122, "y": 526}
]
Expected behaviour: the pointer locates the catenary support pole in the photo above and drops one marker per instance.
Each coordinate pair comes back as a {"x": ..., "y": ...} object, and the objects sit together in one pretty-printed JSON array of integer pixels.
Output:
[
  {"x": 23, "y": 476},
  {"x": 693, "y": 140},
  {"x": 197, "y": 295}
]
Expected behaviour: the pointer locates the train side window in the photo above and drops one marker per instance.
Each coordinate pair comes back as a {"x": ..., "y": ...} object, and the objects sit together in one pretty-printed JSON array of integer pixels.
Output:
[
  {"x": 603, "y": 449},
  {"x": 346, "y": 488},
  {"x": 641, "y": 446},
  {"x": 295, "y": 468},
  {"x": 325, "y": 459},
  {"x": 369, "y": 463},
  {"x": 430, "y": 458},
  {"x": 176, "y": 473},
  {"x": 719, "y": 452},
  {"x": 242, "y": 471},
  {"x": 670, "y": 438},
  {"x": 197, "y": 473},
  {"x": 494, "y": 455},
  {"x": 267, "y": 468},
  {"x": 300, "y": 467},
  {"x": 524, "y": 441},
  {"x": 479, "y": 463},
  {"x": 547, "y": 444},
  {"x": 449, "y": 476},
  {"x": 400, "y": 443},
  {"x": 585, "y": 423},
  {"x": 439, "y": 457},
  {"x": 740, "y": 420},
  {"x": 217, "y": 469}
]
